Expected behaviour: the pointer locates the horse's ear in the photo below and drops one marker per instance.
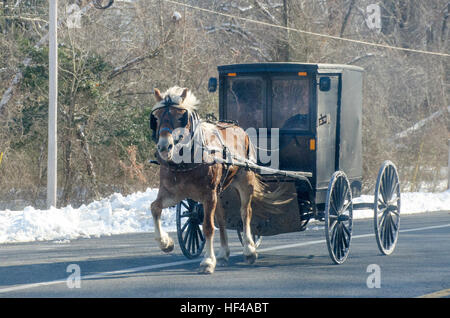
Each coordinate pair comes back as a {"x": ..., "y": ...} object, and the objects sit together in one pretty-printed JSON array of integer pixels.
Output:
[
  {"x": 158, "y": 95},
  {"x": 184, "y": 94}
]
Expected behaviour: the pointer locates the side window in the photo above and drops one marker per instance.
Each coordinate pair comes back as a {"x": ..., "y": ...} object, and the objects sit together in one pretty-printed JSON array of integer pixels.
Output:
[
  {"x": 245, "y": 99},
  {"x": 290, "y": 103}
]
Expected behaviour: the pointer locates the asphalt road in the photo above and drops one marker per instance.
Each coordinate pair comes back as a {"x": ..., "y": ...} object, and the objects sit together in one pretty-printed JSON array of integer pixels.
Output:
[{"x": 289, "y": 266}]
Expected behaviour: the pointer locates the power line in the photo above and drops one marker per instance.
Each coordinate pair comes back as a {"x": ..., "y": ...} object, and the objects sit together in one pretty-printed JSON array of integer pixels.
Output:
[{"x": 385, "y": 46}]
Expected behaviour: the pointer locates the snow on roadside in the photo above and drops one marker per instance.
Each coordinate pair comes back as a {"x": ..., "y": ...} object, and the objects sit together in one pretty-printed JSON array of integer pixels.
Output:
[{"x": 117, "y": 214}]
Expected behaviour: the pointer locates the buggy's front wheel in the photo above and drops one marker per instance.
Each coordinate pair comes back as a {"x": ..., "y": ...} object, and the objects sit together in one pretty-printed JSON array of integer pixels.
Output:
[{"x": 189, "y": 231}]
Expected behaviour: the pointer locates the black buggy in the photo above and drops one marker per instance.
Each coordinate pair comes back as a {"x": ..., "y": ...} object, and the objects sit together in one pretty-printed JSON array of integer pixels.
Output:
[{"x": 317, "y": 109}]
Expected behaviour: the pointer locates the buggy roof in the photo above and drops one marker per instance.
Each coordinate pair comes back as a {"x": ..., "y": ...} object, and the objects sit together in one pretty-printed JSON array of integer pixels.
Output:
[{"x": 287, "y": 67}]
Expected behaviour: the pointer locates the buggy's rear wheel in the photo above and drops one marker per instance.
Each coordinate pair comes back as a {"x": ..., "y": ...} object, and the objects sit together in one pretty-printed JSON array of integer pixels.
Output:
[
  {"x": 387, "y": 208},
  {"x": 190, "y": 235},
  {"x": 338, "y": 217}
]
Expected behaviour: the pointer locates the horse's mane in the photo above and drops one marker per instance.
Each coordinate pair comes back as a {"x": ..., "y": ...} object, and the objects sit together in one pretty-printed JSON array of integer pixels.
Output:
[{"x": 189, "y": 103}]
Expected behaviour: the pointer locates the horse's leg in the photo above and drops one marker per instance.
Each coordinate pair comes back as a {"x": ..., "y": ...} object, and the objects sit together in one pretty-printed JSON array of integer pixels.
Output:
[
  {"x": 208, "y": 264},
  {"x": 224, "y": 253},
  {"x": 245, "y": 189},
  {"x": 162, "y": 201}
]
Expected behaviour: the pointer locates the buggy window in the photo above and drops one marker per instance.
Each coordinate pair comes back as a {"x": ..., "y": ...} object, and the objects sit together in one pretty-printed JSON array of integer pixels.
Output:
[
  {"x": 245, "y": 98},
  {"x": 290, "y": 103}
]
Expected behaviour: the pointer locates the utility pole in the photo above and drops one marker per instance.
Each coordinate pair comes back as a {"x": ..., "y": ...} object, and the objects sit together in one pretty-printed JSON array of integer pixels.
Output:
[
  {"x": 286, "y": 25},
  {"x": 448, "y": 167},
  {"x": 52, "y": 104}
]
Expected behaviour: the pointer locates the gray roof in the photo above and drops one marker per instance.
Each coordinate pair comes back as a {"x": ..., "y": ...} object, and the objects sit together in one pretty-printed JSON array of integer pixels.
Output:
[{"x": 287, "y": 67}]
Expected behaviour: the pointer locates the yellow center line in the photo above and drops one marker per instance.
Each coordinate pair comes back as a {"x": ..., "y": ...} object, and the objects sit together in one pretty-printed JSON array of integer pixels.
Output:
[{"x": 438, "y": 294}]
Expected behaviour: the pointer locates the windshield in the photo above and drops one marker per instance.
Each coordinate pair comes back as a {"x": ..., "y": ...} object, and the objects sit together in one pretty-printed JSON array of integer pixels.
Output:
[
  {"x": 290, "y": 103},
  {"x": 245, "y": 99}
]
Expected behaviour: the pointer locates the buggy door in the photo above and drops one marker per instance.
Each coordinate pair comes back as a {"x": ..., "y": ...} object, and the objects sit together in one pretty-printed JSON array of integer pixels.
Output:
[{"x": 327, "y": 118}]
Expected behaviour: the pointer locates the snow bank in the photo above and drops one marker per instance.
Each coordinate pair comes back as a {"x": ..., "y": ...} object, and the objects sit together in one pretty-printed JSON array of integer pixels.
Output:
[
  {"x": 113, "y": 215},
  {"x": 131, "y": 214}
]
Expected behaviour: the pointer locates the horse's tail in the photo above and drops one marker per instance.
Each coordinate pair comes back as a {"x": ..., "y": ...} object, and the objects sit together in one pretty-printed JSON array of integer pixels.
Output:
[{"x": 265, "y": 202}]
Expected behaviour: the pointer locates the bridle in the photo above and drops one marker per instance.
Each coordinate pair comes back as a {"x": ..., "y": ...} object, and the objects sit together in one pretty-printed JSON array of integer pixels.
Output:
[
  {"x": 192, "y": 119},
  {"x": 166, "y": 104}
]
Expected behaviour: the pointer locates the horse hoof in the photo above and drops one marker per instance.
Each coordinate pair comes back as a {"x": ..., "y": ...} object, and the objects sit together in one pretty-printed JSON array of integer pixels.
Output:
[
  {"x": 250, "y": 259},
  {"x": 168, "y": 247},
  {"x": 223, "y": 262},
  {"x": 206, "y": 269}
]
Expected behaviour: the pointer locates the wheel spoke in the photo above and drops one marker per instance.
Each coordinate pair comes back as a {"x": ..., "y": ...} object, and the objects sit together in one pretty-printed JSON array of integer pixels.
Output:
[
  {"x": 346, "y": 206},
  {"x": 391, "y": 232},
  {"x": 382, "y": 218},
  {"x": 393, "y": 182},
  {"x": 332, "y": 227},
  {"x": 341, "y": 242},
  {"x": 342, "y": 208},
  {"x": 183, "y": 203},
  {"x": 336, "y": 243},
  {"x": 346, "y": 230},
  {"x": 344, "y": 238},
  {"x": 196, "y": 241},
  {"x": 382, "y": 190},
  {"x": 200, "y": 233},
  {"x": 184, "y": 226},
  {"x": 395, "y": 189},
  {"x": 185, "y": 214},
  {"x": 332, "y": 232},
  {"x": 186, "y": 236},
  {"x": 333, "y": 206},
  {"x": 190, "y": 247},
  {"x": 189, "y": 241},
  {"x": 386, "y": 233},
  {"x": 334, "y": 200}
]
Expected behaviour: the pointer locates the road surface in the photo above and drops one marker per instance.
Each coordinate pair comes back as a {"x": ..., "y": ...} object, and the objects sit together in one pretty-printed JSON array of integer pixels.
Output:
[{"x": 290, "y": 265}]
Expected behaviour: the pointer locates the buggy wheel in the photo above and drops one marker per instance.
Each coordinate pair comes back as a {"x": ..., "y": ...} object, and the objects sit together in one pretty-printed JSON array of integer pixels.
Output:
[
  {"x": 338, "y": 217},
  {"x": 190, "y": 236},
  {"x": 257, "y": 239},
  {"x": 387, "y": 208}
]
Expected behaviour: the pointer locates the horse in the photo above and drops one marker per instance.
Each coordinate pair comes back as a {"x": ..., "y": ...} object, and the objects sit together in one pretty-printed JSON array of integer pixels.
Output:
[{"x": 203, "y": 174}]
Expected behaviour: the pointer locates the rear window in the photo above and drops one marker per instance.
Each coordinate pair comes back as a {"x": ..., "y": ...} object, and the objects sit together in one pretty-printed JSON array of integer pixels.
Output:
[{"x": 290, "y": 103}]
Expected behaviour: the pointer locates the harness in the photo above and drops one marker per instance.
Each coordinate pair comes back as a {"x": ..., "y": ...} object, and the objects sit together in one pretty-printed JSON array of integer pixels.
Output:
[
  {"x": 197, "y": 138},
  {"x": 192, "y": 118}
]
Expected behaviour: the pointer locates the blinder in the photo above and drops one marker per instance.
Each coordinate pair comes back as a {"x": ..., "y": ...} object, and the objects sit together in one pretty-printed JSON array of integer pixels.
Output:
[{"x": 166, "y": 103}]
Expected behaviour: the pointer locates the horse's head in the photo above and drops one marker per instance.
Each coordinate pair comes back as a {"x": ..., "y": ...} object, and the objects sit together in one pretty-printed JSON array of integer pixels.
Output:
[{"x": 171, "y": 119}]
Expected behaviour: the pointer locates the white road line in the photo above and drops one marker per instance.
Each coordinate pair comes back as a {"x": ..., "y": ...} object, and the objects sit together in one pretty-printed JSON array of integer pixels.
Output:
[{"x": 184, "y": 262}]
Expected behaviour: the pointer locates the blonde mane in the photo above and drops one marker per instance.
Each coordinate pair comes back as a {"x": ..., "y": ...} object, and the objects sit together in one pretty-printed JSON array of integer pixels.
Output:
[{"x": 189, "y": 103}]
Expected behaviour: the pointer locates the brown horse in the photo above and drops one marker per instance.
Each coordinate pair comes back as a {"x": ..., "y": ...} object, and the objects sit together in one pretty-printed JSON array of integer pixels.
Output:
[{"x": 178, "y": 130}]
